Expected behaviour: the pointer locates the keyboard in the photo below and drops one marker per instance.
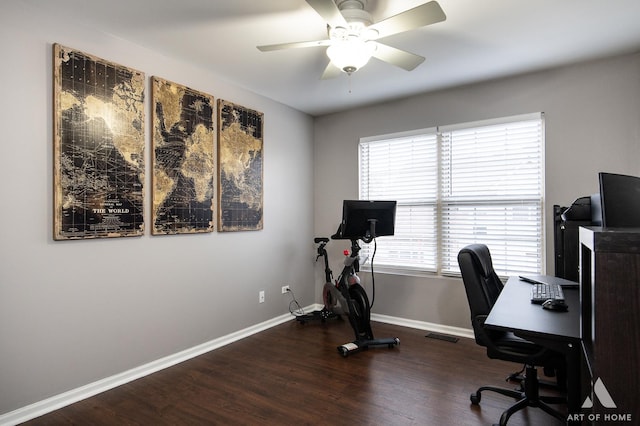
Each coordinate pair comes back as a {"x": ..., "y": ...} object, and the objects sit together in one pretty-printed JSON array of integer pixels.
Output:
[{"x": 540, "y": 292}]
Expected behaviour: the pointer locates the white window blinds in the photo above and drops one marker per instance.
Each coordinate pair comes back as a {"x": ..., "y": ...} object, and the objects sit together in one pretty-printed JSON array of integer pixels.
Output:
[
  {"x": 470, "y": 183},
  {"x": 404, "y": 167},
  {"x": 492, "y": 190}
]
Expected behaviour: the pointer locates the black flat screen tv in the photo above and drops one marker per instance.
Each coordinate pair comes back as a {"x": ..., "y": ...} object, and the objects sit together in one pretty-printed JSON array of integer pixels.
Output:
[
  {"x": 620, "y": 200},
  {"x": 366, "y": 220}
]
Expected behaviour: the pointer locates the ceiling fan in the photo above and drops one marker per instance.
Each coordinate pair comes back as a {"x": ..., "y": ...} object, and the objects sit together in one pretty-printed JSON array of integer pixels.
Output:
[{"x": 353, "y": 35}]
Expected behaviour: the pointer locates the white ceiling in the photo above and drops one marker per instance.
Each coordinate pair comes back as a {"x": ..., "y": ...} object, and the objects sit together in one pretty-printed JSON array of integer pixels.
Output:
[{"x": 480, "y": 40}]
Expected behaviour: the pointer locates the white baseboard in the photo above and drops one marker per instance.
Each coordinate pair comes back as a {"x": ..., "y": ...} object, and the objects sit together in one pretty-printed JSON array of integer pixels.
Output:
[
  {"x": 422, "y": 325},
  {"x": 56, "y": 402}
]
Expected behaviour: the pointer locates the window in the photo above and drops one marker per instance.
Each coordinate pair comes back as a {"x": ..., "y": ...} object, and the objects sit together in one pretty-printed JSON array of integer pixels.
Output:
[{"x": 456, "y": 185}]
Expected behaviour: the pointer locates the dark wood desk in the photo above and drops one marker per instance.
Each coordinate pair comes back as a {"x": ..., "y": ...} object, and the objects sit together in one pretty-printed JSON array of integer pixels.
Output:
[{"x": 560, "y": 331}]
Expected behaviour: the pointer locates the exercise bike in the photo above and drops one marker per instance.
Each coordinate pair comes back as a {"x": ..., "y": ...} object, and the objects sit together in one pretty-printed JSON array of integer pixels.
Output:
[
  {"x": 329, "y": 295},
  {"x": 353, "y": 298},
  {"x": 359, "y": 221}
]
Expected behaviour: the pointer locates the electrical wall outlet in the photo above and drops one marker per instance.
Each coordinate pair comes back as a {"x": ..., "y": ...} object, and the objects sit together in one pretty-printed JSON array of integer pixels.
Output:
[
  {"x": 261, "y": 296},
  {"x": 285, "y": 289}
]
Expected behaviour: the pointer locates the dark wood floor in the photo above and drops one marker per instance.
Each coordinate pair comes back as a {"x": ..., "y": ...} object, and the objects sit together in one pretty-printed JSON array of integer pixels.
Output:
[{"x": 292, "y": 374}]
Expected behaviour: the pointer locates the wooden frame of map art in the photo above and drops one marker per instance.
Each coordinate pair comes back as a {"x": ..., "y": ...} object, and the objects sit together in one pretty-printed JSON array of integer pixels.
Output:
[
  {"x": 184, "y": 159},
  {"x": 240, "y": 168},
  {"x": 99, "y": 146}
]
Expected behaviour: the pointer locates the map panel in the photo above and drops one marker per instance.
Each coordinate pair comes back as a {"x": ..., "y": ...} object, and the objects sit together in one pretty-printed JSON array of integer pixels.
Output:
[
  {"x": 240, "y": 165},
  {"x": 183, "y": 159},
  {"x": 98, "y": 147}
]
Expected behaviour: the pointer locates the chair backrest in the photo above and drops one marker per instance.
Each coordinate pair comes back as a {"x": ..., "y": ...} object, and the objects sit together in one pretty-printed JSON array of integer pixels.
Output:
[{"x": 481, "y": 283}]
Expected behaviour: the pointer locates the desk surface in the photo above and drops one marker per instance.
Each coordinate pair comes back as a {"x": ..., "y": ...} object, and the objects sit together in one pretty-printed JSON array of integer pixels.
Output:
[{"x": 514, "y": 311}]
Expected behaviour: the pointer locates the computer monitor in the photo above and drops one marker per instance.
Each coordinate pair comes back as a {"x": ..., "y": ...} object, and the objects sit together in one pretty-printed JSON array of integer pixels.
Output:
[
  {"x": 366, "y": 220},
  {"x": 620, "y": 199}
]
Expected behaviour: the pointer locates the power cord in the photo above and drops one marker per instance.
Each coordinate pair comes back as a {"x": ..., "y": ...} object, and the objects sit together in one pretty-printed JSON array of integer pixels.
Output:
[
  {"x": 373, "y": 276},
  {"x": 294, "y": 307}
]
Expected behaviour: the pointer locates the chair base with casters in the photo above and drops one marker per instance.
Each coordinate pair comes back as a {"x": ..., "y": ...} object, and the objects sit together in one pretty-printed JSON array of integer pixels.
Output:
[{"x": 528, "y": 397}]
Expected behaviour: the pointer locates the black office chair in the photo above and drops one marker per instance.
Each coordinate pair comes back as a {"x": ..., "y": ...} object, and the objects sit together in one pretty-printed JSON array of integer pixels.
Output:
[{"x": 483, "y": 286}]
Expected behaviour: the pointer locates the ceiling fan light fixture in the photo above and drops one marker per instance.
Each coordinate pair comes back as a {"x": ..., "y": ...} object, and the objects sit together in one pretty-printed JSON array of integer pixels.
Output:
[
  {"x": 353, "y": 35},
  {"x": 351, "y": 55}
]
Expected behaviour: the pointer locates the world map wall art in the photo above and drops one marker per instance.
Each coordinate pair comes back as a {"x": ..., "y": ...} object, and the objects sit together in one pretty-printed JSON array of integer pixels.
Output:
[
  {"x": 184, "y": 159},
  {"x": 98, "y": 147},
  {"x": 99, "y": 154},
  {"x": 240, "y": 166}
]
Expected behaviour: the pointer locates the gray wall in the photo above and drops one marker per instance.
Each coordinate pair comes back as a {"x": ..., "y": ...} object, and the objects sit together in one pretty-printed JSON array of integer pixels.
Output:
[
  {"x": 74, "y": 312},
  {"x": 592, "y": 115}
]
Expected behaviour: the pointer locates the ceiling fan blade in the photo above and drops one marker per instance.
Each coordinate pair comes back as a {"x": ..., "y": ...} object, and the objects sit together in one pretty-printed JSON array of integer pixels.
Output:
[
  {"x": 328, "y": 10},
  {"x": 330, "y": 72},
  {"x": 397, "y": 57},
  {"x": 294, "y": 45},
  {"x": 426, "y": 14}
]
